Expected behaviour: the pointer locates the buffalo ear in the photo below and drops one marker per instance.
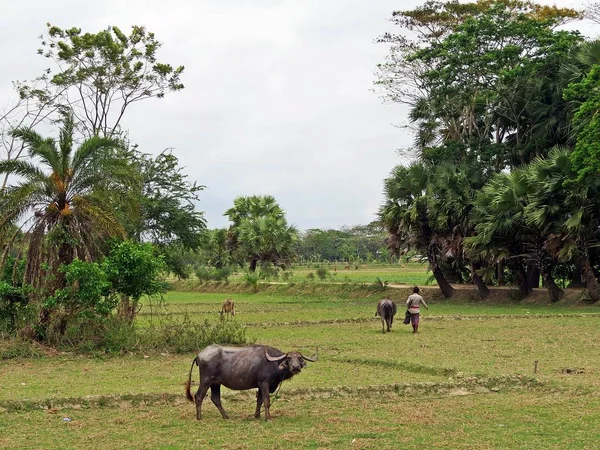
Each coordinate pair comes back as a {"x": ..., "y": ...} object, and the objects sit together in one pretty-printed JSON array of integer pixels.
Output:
[{"x": 284, "y": 364}]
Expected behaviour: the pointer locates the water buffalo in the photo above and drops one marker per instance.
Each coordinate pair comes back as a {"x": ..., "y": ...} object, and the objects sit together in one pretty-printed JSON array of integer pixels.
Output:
[
  {"x": 228, "y": 308},
  {"x": 386, "y": 309},
  {"x": 241, "y": 368}
]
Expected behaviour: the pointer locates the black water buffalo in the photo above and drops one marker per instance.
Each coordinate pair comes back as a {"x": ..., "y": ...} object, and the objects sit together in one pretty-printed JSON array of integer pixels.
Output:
[
  {"x": 386, "y": 309},
  {"x": 240, "y": 368}
]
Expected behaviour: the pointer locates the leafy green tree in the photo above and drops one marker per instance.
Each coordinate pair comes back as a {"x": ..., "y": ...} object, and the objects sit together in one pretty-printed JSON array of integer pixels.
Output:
[
  {"x": 167, "y": 214},
  {"x": 259, "y": 232},
  {"x": 99, "y": 75},
  {"x": 63, "y": 200},
  {"x": 585, "y": 97},
  {"x": 13, "y": 295},
  {"x": 477, "y": 76},
  {"x": 86, "y": 294},
  {"x": 133, "y": 271}
]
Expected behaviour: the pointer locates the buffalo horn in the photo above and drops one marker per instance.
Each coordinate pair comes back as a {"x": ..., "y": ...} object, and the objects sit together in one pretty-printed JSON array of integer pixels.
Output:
[
  {"x": 274, "y": 358},
  {"x": 311, "y": 359}
]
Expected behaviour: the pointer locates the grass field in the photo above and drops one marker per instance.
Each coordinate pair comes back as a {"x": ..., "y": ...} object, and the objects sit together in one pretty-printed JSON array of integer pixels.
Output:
[
  {"x": 407, "y": 273},
  {"x": 465, "y": 381}
]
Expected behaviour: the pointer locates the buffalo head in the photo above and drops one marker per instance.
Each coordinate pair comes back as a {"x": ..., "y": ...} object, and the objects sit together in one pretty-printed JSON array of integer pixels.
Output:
[{"x": 293, "y": 361}]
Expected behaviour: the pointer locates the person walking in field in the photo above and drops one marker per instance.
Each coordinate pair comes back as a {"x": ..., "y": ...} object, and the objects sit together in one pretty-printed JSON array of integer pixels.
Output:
[{"x": 413, "y": 305}]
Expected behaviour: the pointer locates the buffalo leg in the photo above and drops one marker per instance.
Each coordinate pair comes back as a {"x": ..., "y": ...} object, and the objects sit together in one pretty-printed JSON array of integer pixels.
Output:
[
  {"x": 202, "y": 390},
  {"x": 259, "y": 401},
  {"x": 383, "y": 326},
  {"x": 215, "y": 396},
  {"x": 266, "y": 400}
]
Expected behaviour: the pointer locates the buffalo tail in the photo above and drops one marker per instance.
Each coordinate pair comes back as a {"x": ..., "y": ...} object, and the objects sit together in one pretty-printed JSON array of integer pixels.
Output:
[{"x": 188, "y": 394}]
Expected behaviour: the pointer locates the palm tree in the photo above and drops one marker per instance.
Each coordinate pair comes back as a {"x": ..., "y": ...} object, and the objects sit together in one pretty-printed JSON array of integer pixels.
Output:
[
  {"x": 453, "y": 190},
  {"x": 406, "y": 217},
  {"x": 501, "y": 232},
  {"x": 62, "y": 201},
  {"x": 260, "y": 232},
  {"x": 572, "y": 209}
]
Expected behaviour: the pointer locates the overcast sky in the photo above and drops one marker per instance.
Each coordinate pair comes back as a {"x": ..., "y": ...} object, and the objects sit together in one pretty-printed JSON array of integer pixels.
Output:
[{"x": 278, "y": 96}]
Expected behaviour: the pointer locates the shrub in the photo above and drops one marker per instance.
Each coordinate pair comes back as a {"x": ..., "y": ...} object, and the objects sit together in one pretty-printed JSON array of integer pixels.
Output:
[
  {"x": 269, "y": 272},
  {"x": 185, "y": 336},
  {"x": 217, "y": 274},
  {"x": 15, "y": 347},
  {"x": 221, "y": 274},
  {"x": 117, "y": 335},
  {"x": 13, "y": 295},
  {"x": 322, "y": 272},
  {"x": 202, "y": 273},
  {"x": 252, "y": 279},
  {"x": 380, "y": 285}
]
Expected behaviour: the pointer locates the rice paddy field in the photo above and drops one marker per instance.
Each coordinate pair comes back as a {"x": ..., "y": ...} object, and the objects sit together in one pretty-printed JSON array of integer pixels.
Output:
[
  {"x": 405, "y": 273},
  {"x": 476, "y": 376}
]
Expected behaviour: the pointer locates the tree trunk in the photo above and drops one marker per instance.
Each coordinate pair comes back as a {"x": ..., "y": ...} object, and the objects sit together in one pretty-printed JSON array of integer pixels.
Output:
[
  {"x": 439, "y": 276},
  {"x": 533, "y": 276},
  {"x": 127, "y": 309},
  {"x": 482, "y": 288},
  {"x": 554, "y": 291},
  {"x": 591, "y": 283},
  {"x": 253, "y": 263},
  {"x": 500, "y": 273},
  {"x": 522, "y": 281},
  {"x": 576, "y": 278}
]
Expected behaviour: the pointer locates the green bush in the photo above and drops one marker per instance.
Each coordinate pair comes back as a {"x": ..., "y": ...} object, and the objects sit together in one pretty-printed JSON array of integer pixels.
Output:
[
  {"x": 221, "y": 274},
  {"x": 14, "y": 298},
  {"x": 185, "y": 336},
  {"x": 16, "y": 347},
  {"x": 217, "y": 274},
  {"x": 117, "y": 335},
  {"x": 252, "y": 279},
  {"x": 322, "y": 272},
  {"x": 202, "y": 273},
  {"x": 269, "y": 272}
]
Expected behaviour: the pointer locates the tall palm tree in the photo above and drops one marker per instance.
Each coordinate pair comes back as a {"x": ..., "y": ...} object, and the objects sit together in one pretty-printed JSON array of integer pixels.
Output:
[
  {"x": 62, "y": 200},
  {"x": 501, "y": 233},
  {"x": 260, "y": 232},
  {"x": 453, "y": 190},
  {"x": 572, "y": 209},
  {"x": 406, "y": 216}
]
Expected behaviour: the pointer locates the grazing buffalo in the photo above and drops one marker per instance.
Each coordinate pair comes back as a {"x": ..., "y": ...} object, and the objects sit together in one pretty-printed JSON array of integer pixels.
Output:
[
  {"x": 386, "y": 309},
  {"x": 241, "y": 368},
  {"x": 228, "y": 308}
]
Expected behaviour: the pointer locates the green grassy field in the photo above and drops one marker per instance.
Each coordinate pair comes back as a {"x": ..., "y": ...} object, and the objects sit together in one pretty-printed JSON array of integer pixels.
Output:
[
  {"x": 465, "y": 381},
  {"x": 406, "y": 273}
]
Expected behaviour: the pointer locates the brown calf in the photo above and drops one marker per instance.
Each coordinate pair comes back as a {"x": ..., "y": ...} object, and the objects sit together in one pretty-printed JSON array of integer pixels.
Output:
[{"x": 228, "y": 308}]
